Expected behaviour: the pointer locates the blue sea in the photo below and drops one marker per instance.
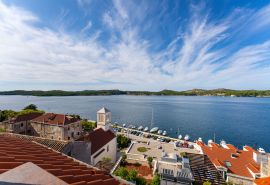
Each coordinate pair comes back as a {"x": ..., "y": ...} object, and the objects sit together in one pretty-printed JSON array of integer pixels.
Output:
[{"x": 237, "y": 120}]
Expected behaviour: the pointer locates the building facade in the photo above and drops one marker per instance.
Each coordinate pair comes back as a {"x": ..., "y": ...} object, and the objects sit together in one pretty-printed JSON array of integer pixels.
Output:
[
  {"x": 56, "y": 126},
  {"x": 47, "y": 125}
]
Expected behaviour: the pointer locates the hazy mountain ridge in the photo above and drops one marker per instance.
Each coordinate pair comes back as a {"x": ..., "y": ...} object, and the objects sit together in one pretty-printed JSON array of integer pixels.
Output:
[{"x": 165, "y": 92}]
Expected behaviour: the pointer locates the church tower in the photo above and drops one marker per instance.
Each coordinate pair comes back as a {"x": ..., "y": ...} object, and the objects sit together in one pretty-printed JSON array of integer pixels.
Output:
[{"x": 104, "y": 119}]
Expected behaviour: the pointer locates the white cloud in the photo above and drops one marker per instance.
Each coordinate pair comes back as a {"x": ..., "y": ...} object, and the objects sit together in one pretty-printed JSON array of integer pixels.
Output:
[
  {"x": 35, "y": 55},
  {"x": 87, "y": 27}
]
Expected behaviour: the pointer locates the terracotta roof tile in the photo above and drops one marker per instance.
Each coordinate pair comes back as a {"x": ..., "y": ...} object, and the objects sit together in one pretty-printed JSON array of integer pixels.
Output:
[
  {"x": 98, "y": 139},
  {"x": 262, "y": 181},
  {"x": 25, "y": 117},
  {"x": 55, "y": 119},
  {"x": 18, "y": 152},
  {"x": 239, "y": 163}
]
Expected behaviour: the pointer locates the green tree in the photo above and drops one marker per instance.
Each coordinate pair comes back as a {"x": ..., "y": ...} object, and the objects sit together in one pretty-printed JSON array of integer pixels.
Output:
[
  {"x": 123, "y": 141},
  {"x": 6, "y": 114},
  {"x": 207, "y": 183},
  {"x": 150, "y": 160},
  {"x": 88, "y": 125},
  {"x": 31, "y": 107},
  {"x": 155, "y": 180}
]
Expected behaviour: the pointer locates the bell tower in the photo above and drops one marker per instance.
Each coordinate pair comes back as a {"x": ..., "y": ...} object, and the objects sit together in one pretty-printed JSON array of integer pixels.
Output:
[{"x": 104, "y": 119}]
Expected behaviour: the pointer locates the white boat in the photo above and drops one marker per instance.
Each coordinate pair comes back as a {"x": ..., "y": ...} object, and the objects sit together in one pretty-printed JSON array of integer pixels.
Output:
[
  {"x": 155, "y": 129},
  {"x": 159, "y": 132},
  {"x": 146, "y": 129},
  {"x": 180, "y": 136},
  {"x": 200, "y": 139},
  {"x": 133, "y": 127},
  {"x": 124, "y": 125},
  {"x": 164, "y": 133},
  {"x": 261, "y": 150},
  {"x": 140, "y": 128},
  {"x": 186, "y": 137}
]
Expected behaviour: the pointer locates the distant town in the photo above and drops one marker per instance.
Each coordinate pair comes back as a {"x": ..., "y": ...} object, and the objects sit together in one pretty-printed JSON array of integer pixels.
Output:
[
  {"x": 39, "y": 147},
  {"x": 193, "y": 92}
]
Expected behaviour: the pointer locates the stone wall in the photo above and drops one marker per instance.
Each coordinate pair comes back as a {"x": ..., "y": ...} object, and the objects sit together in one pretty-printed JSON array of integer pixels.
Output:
[{"x": 239, "y": 180}]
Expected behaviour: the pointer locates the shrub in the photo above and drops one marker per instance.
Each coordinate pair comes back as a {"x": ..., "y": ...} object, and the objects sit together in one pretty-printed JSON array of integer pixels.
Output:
[
  {"x": 155, "y": 180},
  {"x": 122, "y": 172},
  {"x": 142, "y": 149},
  {"x": 132, "y": 175},
  {"x": 207, "y": 183},
  {"x": 124, "y": 158},
  {"x": 137, "y": 164},
  {"x": 150, "y": 160},
  {"x": 140, "y": 181}
]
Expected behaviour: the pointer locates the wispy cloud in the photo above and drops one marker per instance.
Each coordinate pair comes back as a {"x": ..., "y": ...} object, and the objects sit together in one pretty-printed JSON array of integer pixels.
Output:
[{"x": 200, "y": 56}]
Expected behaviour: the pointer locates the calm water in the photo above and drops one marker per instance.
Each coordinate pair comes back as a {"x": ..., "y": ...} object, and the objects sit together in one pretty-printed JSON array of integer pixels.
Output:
[{"x": 236, "y": 120}]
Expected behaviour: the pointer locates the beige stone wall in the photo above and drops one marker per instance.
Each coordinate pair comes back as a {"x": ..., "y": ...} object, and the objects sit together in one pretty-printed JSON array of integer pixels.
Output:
[
  {"x": 72, "y": 131},
  {"x": 239, "y": 180},
  {"x": 265, "y": 168}
]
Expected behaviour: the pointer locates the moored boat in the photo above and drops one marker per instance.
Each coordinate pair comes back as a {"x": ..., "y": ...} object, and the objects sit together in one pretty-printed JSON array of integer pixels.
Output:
[
  {"x": 159, "y": 132},
  {"x": 164, "y": 133},
  {"x": 124, "y": 125},
  {"x": 140, "y": 128},
  {"x": 146, "y": 129},
  {"x": 180, "y": 136},
  {"x": 186, "y": 137},
  {"x": 155, "y": 129}
]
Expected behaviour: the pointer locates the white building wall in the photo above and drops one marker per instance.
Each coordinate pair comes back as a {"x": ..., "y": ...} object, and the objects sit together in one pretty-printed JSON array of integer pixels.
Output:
[{"x": 111, "y": 153}]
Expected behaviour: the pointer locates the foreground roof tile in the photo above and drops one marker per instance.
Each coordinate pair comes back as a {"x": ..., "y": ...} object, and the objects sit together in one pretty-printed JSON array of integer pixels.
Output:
[{"x": 18, "y": 152}]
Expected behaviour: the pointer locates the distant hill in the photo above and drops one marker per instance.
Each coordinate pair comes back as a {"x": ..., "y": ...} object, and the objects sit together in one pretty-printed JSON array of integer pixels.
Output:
[{"x": 166, "y": 92}]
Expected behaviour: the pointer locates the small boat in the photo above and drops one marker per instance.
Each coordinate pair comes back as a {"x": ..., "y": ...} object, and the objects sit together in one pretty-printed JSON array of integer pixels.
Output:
[
  {"x": 164, "y": 133},
  {"x": 159, "y": 132},
  {"x": 133, "y": 127},
  {"x": 124, "y": 125},
  {"x": 155, "y": 129},
  {"x": 140, "y": 128},
  {"x": 146, "y": 129},
  {"x": 261, "y": 150},
  {"x": 180, "y": 136},
  {"x": 186, "y": 137},
  {"x": 200, "y": 139}
]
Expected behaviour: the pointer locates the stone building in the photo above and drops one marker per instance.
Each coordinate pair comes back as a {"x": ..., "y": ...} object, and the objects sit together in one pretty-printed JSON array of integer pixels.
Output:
[
  {"x": 20, "y": 124},
  {"x": 56, "y": 126}
]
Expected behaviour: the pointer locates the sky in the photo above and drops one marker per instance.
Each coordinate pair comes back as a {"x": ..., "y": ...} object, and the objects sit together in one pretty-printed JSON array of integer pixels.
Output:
[{"x": 134, "y": 45}]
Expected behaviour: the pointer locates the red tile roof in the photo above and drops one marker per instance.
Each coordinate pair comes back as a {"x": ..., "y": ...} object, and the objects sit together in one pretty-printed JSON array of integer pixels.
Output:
[
  {"x": 262, "y": 181},
  {"x": 51, "y": 118},
  {"x": 239, "y": 164},
  {"x": 98, "y": 139},
  {"x": 15, "y": 152},
  {"x": 25, "y": 117}
]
